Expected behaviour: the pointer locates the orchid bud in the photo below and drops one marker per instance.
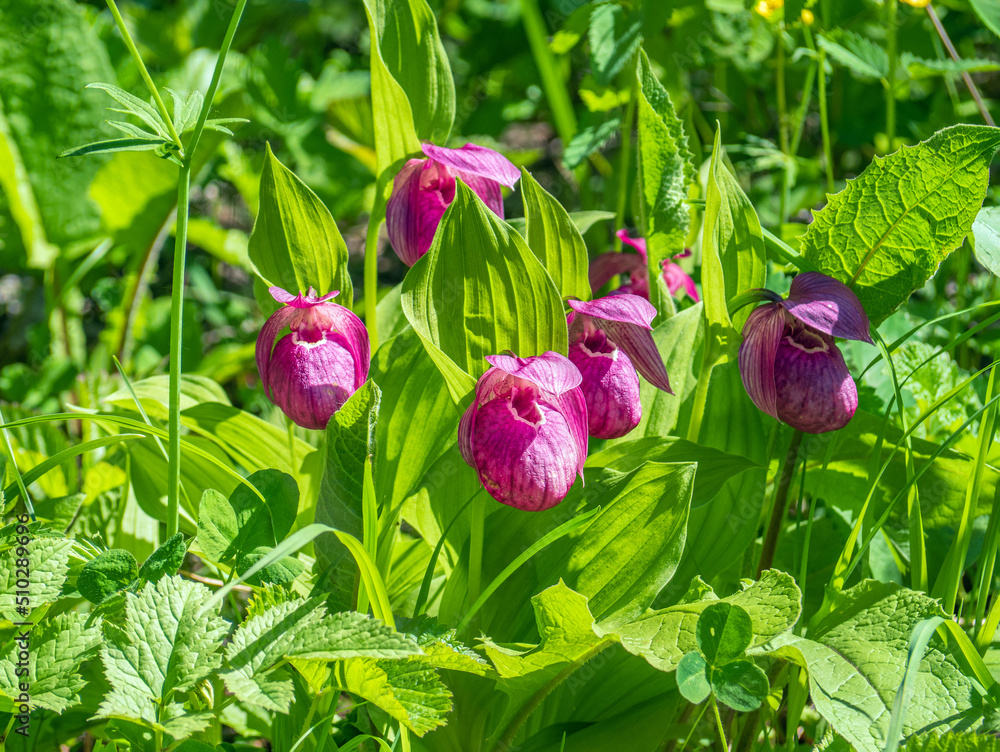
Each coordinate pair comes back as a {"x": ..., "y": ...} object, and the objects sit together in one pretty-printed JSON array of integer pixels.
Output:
[
  {"x": 319, "y": 364},
  {"x": 425, "y": 188},
  {"x": 790, "y": 365},
  {"x": 610, "y": 339},
  {"x": 525, "y": 433}
]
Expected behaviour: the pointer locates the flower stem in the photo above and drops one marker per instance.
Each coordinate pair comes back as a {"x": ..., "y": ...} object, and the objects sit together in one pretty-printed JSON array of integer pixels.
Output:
[
  {"x": 700, "y": 398},
  {"x": 969, "y": 83},
  {"x": 780, "y": 506},
  {"x": 890, "y": 87},
  {"x": 718, "y": 723},
  {"x": 824, "y": 122},
  {"x": 782, "y": 127},
  {"x": 694, "y": 727}
]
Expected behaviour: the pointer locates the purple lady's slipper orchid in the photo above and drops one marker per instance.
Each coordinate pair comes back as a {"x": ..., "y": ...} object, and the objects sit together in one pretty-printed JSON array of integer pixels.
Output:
[
  {"x": 314, "y": 369},
  {"x": 609, "y": 341},
  {"x": 425, "y": 188},
  {"x": 791, "y": 367},
  {"x": 525, "y": 433},
  {"x": 609, "y": 265}
]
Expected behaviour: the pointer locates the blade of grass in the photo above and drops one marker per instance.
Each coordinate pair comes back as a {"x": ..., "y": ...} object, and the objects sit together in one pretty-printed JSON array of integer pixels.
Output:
[
  {"x": 984, "y": 577},
  {"x": 369, "y": 521},
  {"x": 18, "y": 480},
  {"x": 555, "y": 89},
  {"x": 919, "y": 638},
  {"x": 425, "y": 585}
]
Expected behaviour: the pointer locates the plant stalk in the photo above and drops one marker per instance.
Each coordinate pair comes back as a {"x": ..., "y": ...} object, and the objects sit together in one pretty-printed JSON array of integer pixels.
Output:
[
  {"x": 969, "y": 83},
  {"x": 824, "y": 123},
  {"x": 700, "y": 399},
  {"x": 780, "y": 506},
  {"x": 890, "y": 88},
  {"x": 718, "y": 723}
]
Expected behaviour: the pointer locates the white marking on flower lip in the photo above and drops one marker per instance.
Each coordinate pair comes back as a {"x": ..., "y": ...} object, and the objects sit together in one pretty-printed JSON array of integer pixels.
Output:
[
  {"x": 821, "y": 348},
  {"x": 306, "y": 343},
  {"x": 517, "y": 416},
  {"x": 587, "y": 351}
]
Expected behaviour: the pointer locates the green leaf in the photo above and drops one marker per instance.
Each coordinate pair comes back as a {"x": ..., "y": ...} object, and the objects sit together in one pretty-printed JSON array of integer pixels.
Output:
[
  {"x": 217, "y": 526},
  {"x": 145, "y": 111},
  {"x": 856, "y": 659},
  {"x": 986, "y": 232},
  {"x": 692, "y": 678},
  {"x": 741, "y": 685},
  {"x": 555, "y": 240},
  {"x": 858, "y": 54},
  {"x": 110, "y": 572},
  {"x": 48, "y": 560},
  {"x": 724, "y": 631},
  {"x": 665, "y": 173},
  {"x": 733, "y": 253},
  {"x": 442, "y": 648},
  {"x": 58, "y": 646},
  {"x": 295, "y": 242},
  {"x": 350, "y": 438},
  {"x": 921, "y": 68},
  {"x": 663, "y": 637},
  {"x": 989, "y": 13},
  {"x": 167, "y": 645},
  {"x": 165, "y": 560},
  {"x": 934, "y": 742},
  {"x": 153, "y": 393},
  {"x": 412, "y": 52},
  {"x": 445, "y": 292},
  {"x": 583, "y": 220},
  {"x": 281, "y": 572},
  {"x": 916, "y": 206},
  {"x": 588, "y": 141},
  {"x": 614, "y": 36},
  {"x": 115, "y": 144}
]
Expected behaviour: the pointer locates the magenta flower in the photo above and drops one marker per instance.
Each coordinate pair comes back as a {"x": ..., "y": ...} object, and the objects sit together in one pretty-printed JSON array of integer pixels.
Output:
[
  {"x": 313, "y": 370},
  {"x": 609, "y": 265},
  {"x": 425, "y": 188},
  {"x": 791, "y": 367},
  {"x": 525, "y": 433},
  {"x": 609, "y": 341}
]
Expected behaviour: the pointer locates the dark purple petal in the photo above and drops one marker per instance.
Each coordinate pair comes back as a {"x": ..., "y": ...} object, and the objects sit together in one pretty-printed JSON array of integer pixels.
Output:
[
  {"x": 421, "y": 193},
  {"x": 827, "y": 305},
  {"x": 609, "y": 265},
  {"x": 466, "y": 427},
  {"x": 551, "y": 371},
  {"x": 762, "y": 334},
  {"x": 610, "y": 386},
  {"x": 310, "y": 381},
  {"x": 477, "y": 160},
  {"x": 815, "y": 391}
]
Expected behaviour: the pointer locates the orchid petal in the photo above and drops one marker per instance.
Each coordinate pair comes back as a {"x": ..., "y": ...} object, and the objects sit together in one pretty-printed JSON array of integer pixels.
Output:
[
  {"x": 487, "y": 189},
  {"x": 573, "y": 407},
  {"x": 638, "y": 243},
  {"x": 342, "y": 320},
  {"x": 610, "y": 387},
  {"x": 677, "y": 279},
  {"x": 421, "y": 193},
  {"x": 814, "y": 388},
  {"x": 628, "y": 309},
  {"x": 466, "y": 428},
  {"x": 609, "y": 265},
  {"x": 762, "y": 334},
  {"x": 268, "y": 333},
  {"x": 308, "y": 300},
  {"x": 827, "y": 305},
  {"x": 476, "y": 160},
  {"x": 553, "y": 372}
]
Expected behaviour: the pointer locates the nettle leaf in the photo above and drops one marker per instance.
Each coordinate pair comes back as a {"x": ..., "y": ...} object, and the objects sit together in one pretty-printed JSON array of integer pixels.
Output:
[
  {"x": 665, "y": 172},
  {"x": 887, "y": 232},
  {"x": 295, "y": 242},
  {"x": 58, "y": 646},
  {"x": 105, "y": 575},
  {"x": 466, "y": 306},
  {"x": 724, "y": 631},
  {"x": 858, "y": 54},
  {"x": 921, "y": 68},
  {"x": 953, "y": 742},
  {"x": 554, "y": 239},
  {"x": 589, "y": 141},
  {"x": 168, "y": 643},
  {"x": 48, "y": 564},
  {"x": 441, "y": 646},
  {"x": 856, "y": 658},
  {"x": 166, "y": 560},
  {"x": 663, "y": 637},
  {"x": 614, "y": 36}
]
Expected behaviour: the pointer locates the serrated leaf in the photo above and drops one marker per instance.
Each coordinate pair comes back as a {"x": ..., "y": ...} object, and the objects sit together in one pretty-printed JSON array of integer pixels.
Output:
[
  {"x": 48, "y": 560},
  {"x": 856, "y": 658},
  {"x": 887, "y": 232},
  {"x": 165, "y": 560},
  {"x": 166, "y": 646},
  {"x": 135, "y": 106},
  {"x": 921, "y": 68},
  {"x": 105, "y": 575},
  {"x": 952, "y": 742},
  {"x": 724, "y": 631},
  {"x": 663, "y": 637},
  {"x": 856, "y": 53},
  {"x": 58, "y": 646},
  {"x": 115, "y": 144},
  {"x": 295, "y": 243},
  {"x": 554, "y": 239},
  {"x": 445, "y": 291},
  {"x": 741, "y": 685},
  {"x": 692, "y": 678},
  {"x": 665, "y": 172},
  {"x": 614, "y": 36},
  {"x": 442, "y": 648},
  {"x": 134, "y": 130},
  {"x": 588, "y": 141}
]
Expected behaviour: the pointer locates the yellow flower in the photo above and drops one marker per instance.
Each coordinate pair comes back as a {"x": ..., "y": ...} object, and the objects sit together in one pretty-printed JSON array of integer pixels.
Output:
[
  {"x": 918, "y": 3},
  {"x": 808, "y": 18},
  {"x": 766, "y": 8}
]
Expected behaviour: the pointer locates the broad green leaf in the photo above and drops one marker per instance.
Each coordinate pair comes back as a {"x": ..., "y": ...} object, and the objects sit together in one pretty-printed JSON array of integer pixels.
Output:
[
  {"x": 153, "y": 393},
  {"x": 418, "y": 421},
  {"x": 350, "y": 438},
  {"x": 295, "y": 243},
  {"x": 48, "y": 560},
  {"x": 692, "y": 678},
  {"x": 856, "y": 658},
  {"x": 733, "y": 251},
  {"x": 217, "y": 526},
  {"x": 741, "y": 685},
  {"x": 469, "y": 305},
  {"x": 165, "y": 560},
  {"x": 58, "y": 646},
  {"x": 614, "y": 36},
  {"x": 665, "y": 172},
  {"x": 968, "y": 742},
  {"x": 858, "y": 54},
  {"x": 583, "y": 220},
  {"x": 554, "y": 239},
  {"x": 663, "y": 637},
  {"x": 588, "y": 141},
  {"x": 167, "y": 645},
  {"x": 724, "y": 631},
  {"x": 110, "y": 572},
  {"x": 281, "y": 572},
  {"x": 986, "y": 232},
  {"x": 888, "y": 231},
  {"x": 408, "y": 690},
  {"x": 989, "y": 13},
  {"x": 412, "y": 52}
]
